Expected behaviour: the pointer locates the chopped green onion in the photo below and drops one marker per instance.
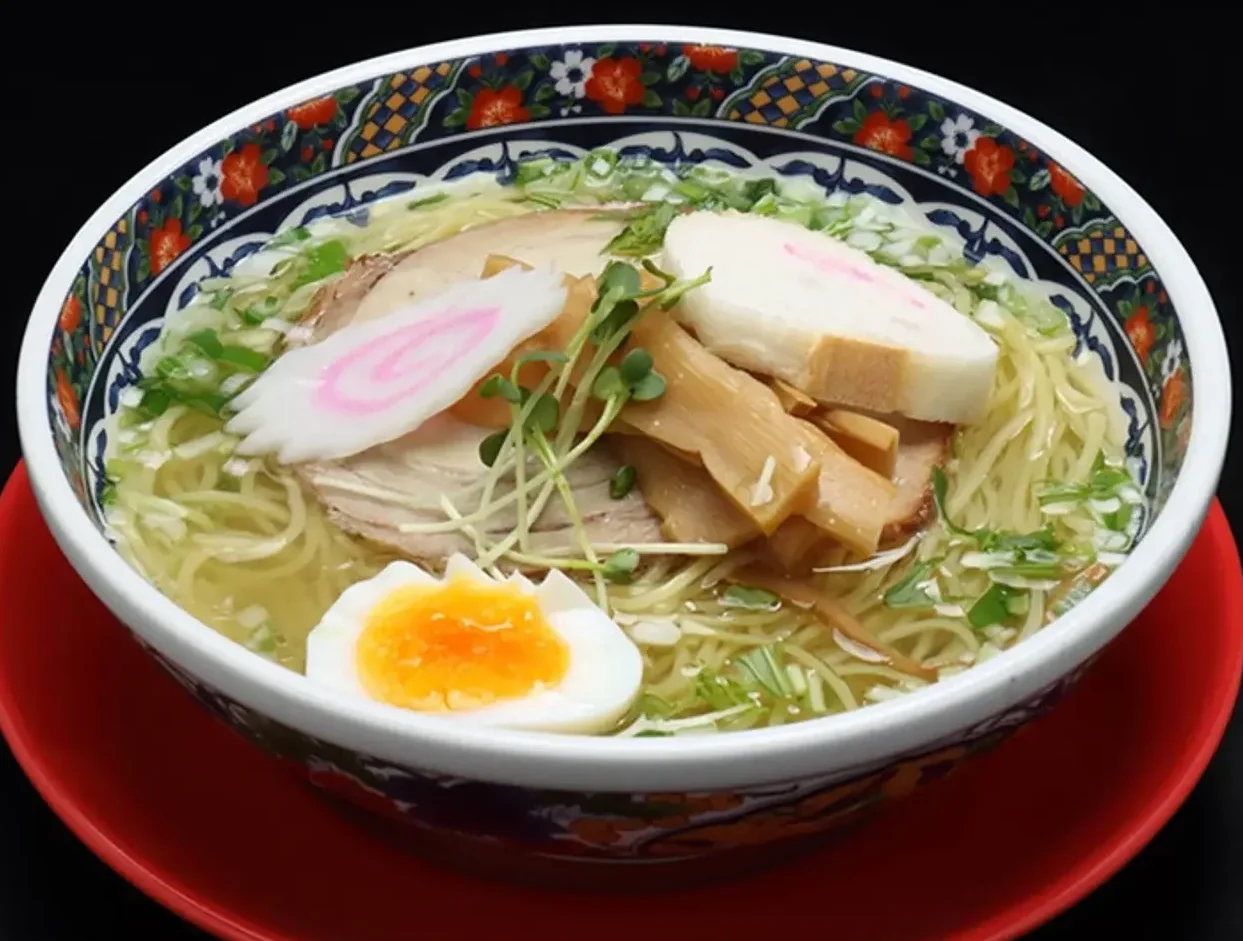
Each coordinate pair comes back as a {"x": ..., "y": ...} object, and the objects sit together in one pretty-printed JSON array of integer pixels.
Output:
[
  {"x": 720, "y": 692},
  {"x": 427, "y": 201},
  {"x": 764, "y": 665},
  {"x": 263, "y": 640},
  {"x": 1120, "y": 518},
  {"x": 544, "y": 199},
  {"x": 910, "y": 592},
  {"x": 299, "y": 233},
  {"x": 752, "y": 599},
  {"x": 323, "y": 261},
  {"x": 995, "y": 605},
  {"x": 258, "y": 313},
  {"x": 755, "y": 190},
  {"x": 652, "y": 706},
  {"x": 1041, "y": 541},
  {"x": 990, "y": 540},
  {"x": 244, "y": 357},
  {"x": 155, "y": 402},
  {"x": 940, "y": 485},
  {"x": 209, "y": 403},
  {"x": 171, "y": 367}
]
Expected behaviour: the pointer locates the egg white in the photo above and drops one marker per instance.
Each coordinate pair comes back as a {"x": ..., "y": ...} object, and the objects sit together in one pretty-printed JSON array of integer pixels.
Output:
[{"x": 601, "y": 682}]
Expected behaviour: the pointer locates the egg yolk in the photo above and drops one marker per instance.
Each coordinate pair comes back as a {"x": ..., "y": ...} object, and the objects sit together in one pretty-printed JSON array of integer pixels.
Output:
[{"x": 458, "y": 645}]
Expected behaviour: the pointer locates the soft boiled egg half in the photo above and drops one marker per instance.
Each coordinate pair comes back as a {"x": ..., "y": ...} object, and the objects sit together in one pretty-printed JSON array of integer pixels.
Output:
[{"x": 509, "y": 653}]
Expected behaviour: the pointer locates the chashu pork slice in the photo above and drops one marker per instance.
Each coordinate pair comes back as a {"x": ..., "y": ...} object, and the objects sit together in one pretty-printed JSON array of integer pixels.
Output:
[
  {"x": 571, "y": 239},
  {"x": 922, "y": 447},
  {"x": 385, "y": 494}
]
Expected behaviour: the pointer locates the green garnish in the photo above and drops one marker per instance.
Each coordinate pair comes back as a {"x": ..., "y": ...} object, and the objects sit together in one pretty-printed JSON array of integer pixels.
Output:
[
  {"x": 544, "y": 414},
  {"x": 608, "y": 384},
  {"x": 540, "y": 356},
  {"x": 721, "y": 692},
  {"x": 645, "y": 234},
  {"x": 298, "y": 233},
  {"x": 652, "y": 706},
  {"x": 618, "y": 320},
  {"x": 622, "y": 481},
  {"x": 652, "y": 386},
  {"x": 1120, "y": 518},
  {"x": 496, "y": 385},
  {"x": 674, "y": 293},
  {"x": 910, "y": 592},
  {"x": 618, "y": 280},
  {"x": 535, "y": 169},
  {"x": 1106, "y": 482},
  {"x": 765, "y": 666},
  {"x": 635, "y": 366},
  {"x": 208, "y": 342},
  {"x": 753, "y": 191},
  {"x": 245, "y": 358},
  {"x": 220, "y": 300},
  {"x": 427, "y": 201},
  {"x": 993, "y": 540},
  {"x": 997, "y": 604},
  {"x": 263, "y": 640},
  {"x": 257, "y": 313},
  {"x": 155, "y": 402},
  {"x": 620, "y": 566},
  {"x": 490, "y": 447},
  {"x": 752, "y": 599},
  {"x": 996, "y": 540},
  {"x": 634, "y": 379},
  {"x": 940, "y": 486},
  {"x": 650, "y": 267},
  {"x": 544, "y": 199},
  {"x": 322, "y": 261}
]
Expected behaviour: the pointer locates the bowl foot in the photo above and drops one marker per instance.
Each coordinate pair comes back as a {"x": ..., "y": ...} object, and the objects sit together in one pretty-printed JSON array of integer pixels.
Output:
[{"x": 516, "y": 864}]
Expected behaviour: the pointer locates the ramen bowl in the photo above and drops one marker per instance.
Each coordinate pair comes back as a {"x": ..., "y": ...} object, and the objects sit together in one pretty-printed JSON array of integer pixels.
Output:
[{"x": 1015, "y": 193}]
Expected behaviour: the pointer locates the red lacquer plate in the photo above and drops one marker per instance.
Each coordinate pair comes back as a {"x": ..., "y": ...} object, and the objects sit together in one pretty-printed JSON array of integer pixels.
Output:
[{"x": 210, "y": 827}]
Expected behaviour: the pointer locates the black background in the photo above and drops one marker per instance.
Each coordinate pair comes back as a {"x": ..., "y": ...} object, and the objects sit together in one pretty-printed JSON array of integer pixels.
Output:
[{"x": 104, "y": 100}]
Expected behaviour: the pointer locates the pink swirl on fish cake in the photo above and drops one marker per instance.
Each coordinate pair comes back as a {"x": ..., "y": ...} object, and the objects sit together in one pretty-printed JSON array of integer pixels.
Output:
[
  {"x": 466, "y": 329},
  {"x": 826, "y": 263}
]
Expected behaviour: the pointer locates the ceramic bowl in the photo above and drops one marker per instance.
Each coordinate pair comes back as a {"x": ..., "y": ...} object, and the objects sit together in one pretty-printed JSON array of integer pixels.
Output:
[{"x": 1017, "y": 193}]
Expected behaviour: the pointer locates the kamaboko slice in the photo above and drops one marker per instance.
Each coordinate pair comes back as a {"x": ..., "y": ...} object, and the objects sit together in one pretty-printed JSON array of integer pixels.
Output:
[{"x": 373, "y": 382}]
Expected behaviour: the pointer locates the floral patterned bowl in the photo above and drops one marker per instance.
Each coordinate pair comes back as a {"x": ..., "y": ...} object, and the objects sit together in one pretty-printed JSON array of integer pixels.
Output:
[{"x": 1017, "y": 193}]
